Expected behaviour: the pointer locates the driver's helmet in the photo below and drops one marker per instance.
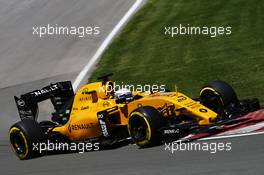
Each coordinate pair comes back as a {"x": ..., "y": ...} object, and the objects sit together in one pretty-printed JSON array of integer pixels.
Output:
[{"x": 123, "y": 95}]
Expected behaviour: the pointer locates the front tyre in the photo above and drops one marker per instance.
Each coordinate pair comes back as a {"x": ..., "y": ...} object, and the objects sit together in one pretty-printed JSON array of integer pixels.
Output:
[
  {"x": 218, "y": 96},
  {"x": 23, "y": 136},
  {"x": 143, "y": 126}
]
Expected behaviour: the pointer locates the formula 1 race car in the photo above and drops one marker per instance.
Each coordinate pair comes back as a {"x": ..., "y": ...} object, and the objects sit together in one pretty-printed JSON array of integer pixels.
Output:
[{"x": 98, "y": 113}]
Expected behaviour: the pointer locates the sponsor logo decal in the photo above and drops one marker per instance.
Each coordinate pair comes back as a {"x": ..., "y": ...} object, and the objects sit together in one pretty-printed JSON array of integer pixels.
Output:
[
  {"x": 167, "y": 109},
  {"x": 21, "y": 103},
  {"x": 139, "y": 105},
  {"x": 45, "y": 90},
  {"x": 181, "y": 98},
  {"x": 193, "y": 105},
  {"x": 85, "y": 107},
  {"x": 103, "y": 124},
  {"x": 106, "y": 104},
  {"x": 203, "y": 110},
  {"x": 85, "y": 91},
  {"x": 23, "y": 112},
  {"x": 77, "y": 127},
  {"x": 87, "y": 98},
  {"x": 162, "y": 95}
]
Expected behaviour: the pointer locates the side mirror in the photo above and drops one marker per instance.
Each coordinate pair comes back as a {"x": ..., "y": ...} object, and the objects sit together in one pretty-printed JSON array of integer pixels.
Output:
[{"x": 105, "y": 78}]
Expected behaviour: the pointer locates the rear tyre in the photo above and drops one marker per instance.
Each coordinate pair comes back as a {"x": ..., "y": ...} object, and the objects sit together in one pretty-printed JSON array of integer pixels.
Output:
[
  {"x": 23, "y": 136},
  {"x": 218, "y": 96},
  {"x": 143, "y": 126}
]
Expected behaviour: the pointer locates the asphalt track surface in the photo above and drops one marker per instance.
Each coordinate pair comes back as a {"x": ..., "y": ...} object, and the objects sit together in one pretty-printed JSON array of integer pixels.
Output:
[
  {"x": 27, "y": 63},
  {"x": 245, "y": 158}
]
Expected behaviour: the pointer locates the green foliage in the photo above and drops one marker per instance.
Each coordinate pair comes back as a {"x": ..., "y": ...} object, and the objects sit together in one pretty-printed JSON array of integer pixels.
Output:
[{"x": 143, "y": 54}]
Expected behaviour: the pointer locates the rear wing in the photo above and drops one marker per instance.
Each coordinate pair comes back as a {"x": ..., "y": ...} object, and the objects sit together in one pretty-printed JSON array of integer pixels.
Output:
[{"x": 59, "y": 93}]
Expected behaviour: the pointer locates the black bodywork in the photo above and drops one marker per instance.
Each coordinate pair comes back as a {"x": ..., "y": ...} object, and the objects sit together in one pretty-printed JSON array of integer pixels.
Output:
[{"x": 61, "y": 95}]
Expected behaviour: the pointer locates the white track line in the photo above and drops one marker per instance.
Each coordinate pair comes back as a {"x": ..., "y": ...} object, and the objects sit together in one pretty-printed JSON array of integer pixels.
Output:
[
  {"x": 231, "y": 136},
  {"x": 105, "y": 43}
]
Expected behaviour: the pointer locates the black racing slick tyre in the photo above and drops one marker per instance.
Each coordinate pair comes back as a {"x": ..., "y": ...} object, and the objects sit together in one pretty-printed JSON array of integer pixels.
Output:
[
  {"x": 218, "y": 95},
  {"x": 143, "y": 126},
  {"x": 23, "y": 136}
]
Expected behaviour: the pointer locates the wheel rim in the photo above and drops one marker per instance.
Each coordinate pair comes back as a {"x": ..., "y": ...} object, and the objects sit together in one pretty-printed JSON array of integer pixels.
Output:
[
  {"x": 138, "y": 129},
  {"x": 212, "y": 100},
  {"x": 18, "y": 142}
]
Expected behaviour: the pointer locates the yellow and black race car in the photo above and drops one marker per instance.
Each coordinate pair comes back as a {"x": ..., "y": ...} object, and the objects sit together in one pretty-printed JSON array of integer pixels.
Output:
[{"x": 96, "y": 112}]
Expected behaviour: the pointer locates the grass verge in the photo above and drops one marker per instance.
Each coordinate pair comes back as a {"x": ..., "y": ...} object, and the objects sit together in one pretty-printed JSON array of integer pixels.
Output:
[{"x": 143, "y": 54}]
